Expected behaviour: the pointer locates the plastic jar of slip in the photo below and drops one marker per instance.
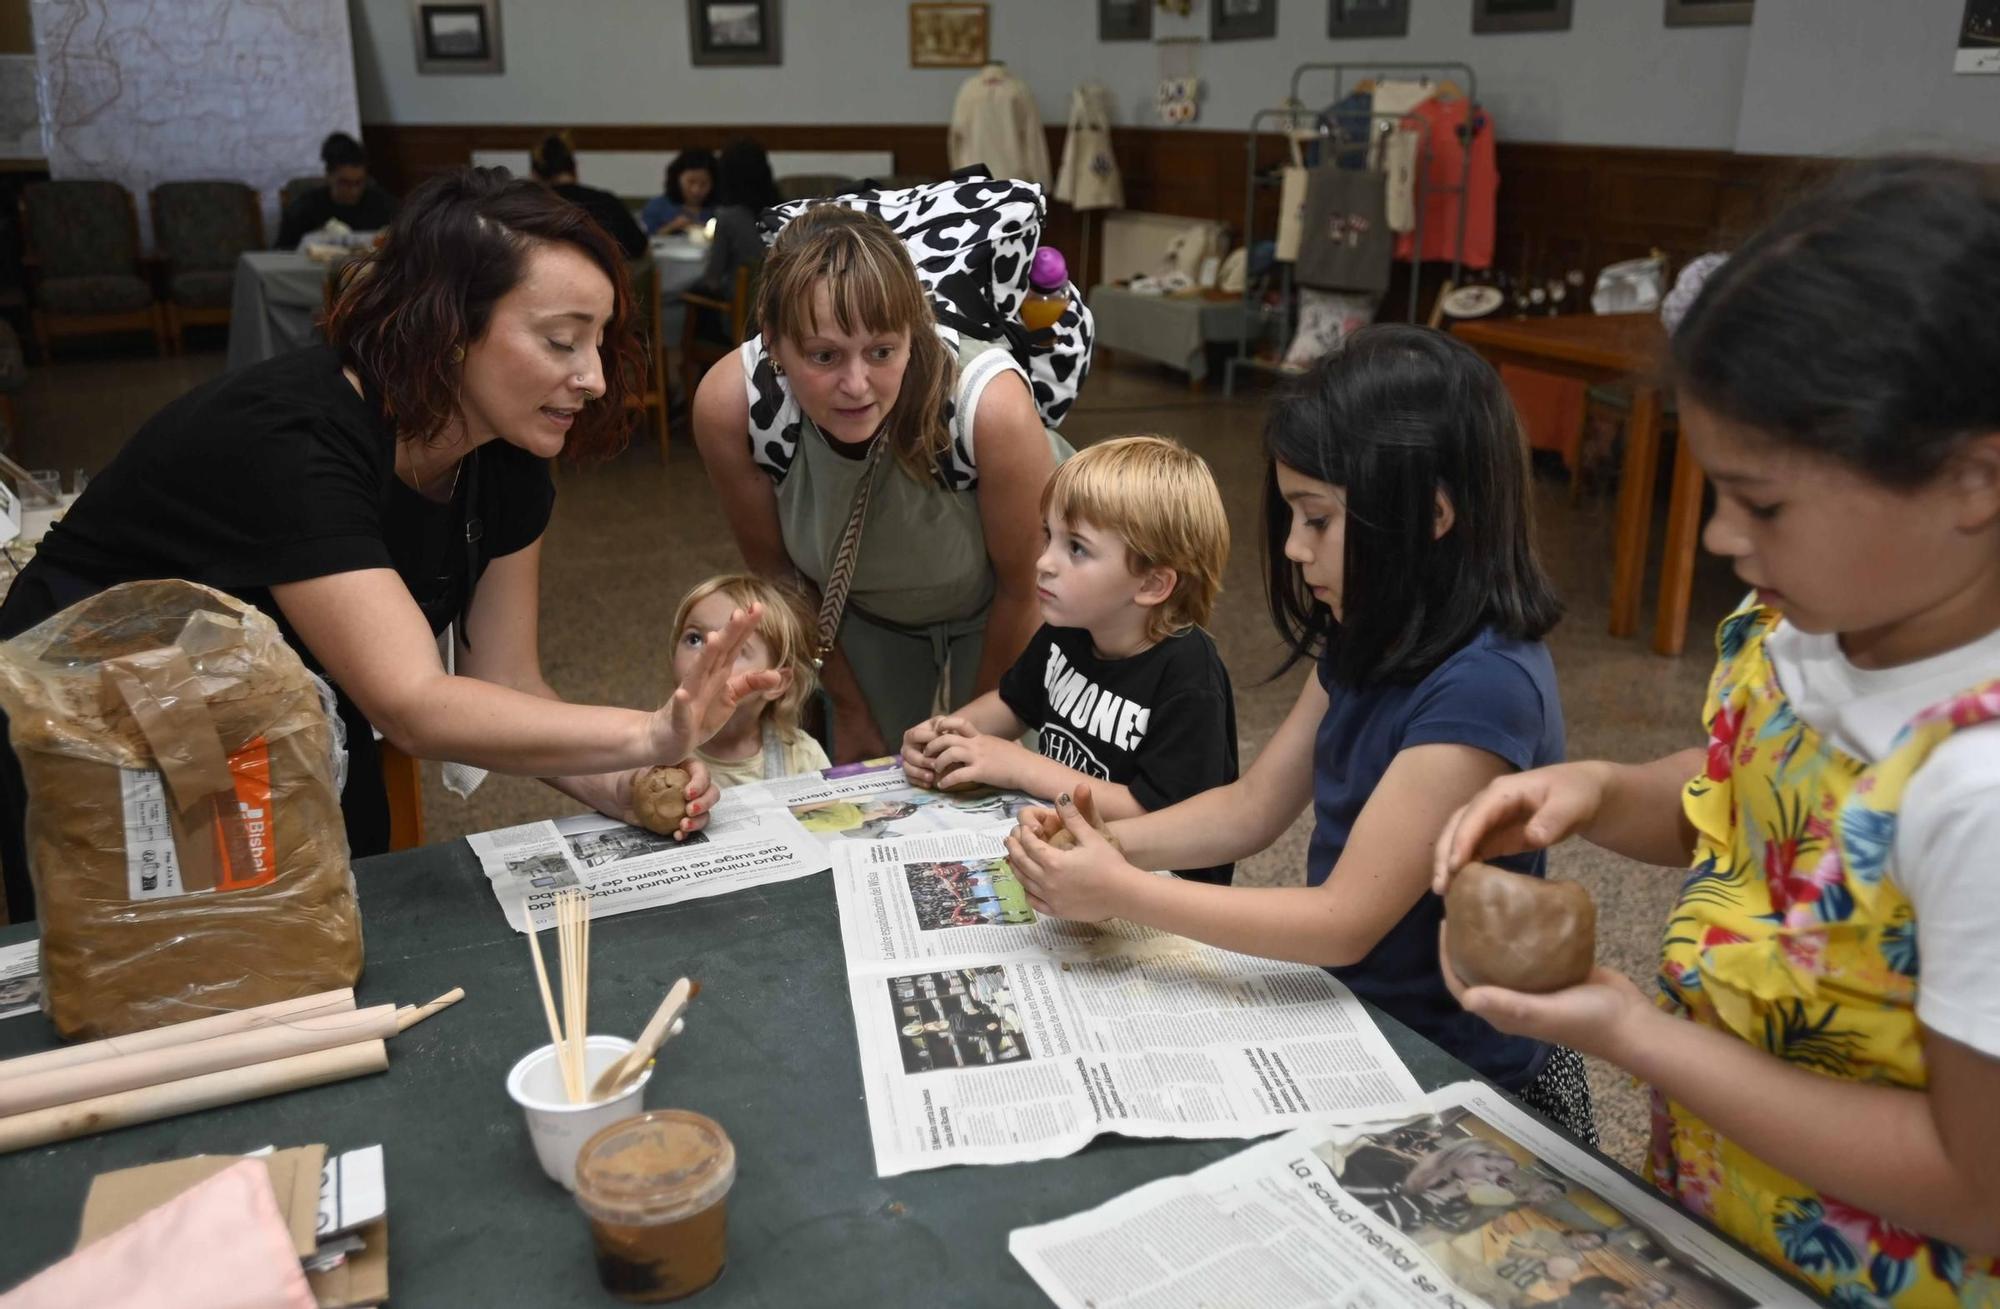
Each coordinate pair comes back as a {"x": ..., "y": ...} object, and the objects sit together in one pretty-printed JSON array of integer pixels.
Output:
[{"x": 656, "y": 1190}]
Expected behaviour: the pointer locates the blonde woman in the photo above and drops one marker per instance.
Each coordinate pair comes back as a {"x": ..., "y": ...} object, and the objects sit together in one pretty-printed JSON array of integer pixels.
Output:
[{"x": 943, "y": 595}]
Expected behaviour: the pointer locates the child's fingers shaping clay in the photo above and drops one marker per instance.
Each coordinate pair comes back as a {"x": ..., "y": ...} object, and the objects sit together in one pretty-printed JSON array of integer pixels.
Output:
[
  {"x": 1523, "y": 933},
  {"x": 659, "y": 799}
]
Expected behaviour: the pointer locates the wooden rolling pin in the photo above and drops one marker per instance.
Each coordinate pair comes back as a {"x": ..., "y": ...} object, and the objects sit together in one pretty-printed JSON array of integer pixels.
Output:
[
  {"x": 174, "y": 1063},
  {"x": 144, "y": 1105},
  {"x": 196, "y": 1029}
]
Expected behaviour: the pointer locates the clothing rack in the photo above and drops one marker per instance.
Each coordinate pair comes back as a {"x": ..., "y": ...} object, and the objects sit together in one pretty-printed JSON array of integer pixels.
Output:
[{"x": 1334, "y": 141}]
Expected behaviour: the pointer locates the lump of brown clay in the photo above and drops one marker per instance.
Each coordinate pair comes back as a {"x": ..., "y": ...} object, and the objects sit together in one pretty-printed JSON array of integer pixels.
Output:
[
  {"x": 1523, "y": 933},
  {"x": 659, "y": 799}
]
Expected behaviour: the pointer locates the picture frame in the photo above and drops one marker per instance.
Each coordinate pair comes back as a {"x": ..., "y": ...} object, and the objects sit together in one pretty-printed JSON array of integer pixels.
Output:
[
  {"x": 1709, "y": 13},
  {"x": 1490, "y": 16},
  {"x": 1242, "y": 20},
  {"x": 1349, "y": 19},
  {"x": 459, "y": 37},
  {"x": 1124, "y": 20},
  {"x": 734, "y": 33},
  {"x": 949, "y": 35}
]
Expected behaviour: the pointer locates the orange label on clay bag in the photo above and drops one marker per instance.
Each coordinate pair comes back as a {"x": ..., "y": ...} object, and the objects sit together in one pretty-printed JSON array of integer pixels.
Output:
[{"x": 248, "y": 855}]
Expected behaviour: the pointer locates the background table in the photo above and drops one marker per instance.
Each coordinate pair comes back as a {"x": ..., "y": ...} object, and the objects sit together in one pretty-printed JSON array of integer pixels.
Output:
[
  {"x": 272, "y": 305},
  {"x": 1626, "y": 348},
  {"x": 769, "y": 1052},
  {"x": 1172, "y": 330}
]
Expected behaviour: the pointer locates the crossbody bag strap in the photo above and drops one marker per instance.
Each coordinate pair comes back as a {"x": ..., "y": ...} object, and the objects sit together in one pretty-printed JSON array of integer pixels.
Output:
[{"x": 833, "y": 600}]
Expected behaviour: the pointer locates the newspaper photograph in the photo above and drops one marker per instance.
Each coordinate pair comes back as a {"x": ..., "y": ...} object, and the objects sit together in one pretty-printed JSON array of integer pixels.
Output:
[
  {"x": 626, "y": 868},
  {"x": 1458, "y": 1199},
  {"x": 988, "y": 1035},
  {"x": 875, "y": 802}
]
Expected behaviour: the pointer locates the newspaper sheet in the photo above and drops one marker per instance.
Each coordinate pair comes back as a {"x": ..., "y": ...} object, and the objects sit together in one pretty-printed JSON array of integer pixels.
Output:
[
  {"x": 990, "y": 1035},
  {"x": 873, "y": 801},
  {"x": 20, "y": 978},
  {"x": 1456, "y": 1199},
  {"x": 626, "y": 868}
]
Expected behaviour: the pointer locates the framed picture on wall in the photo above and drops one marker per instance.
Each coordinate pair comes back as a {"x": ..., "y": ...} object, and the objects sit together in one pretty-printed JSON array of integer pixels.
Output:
[
  {"x": 1239, "y": 20},
  {"x": 947, "y": 35},
  {"x": 1124, "y": 20},
  {"x": 726, "y": 32},
  {"x": 457, "y": 38},
  {"x": 1353, "y": 18},
  {"x": 1706, "y": 13},
  {"x": 1520, "y": 15}
]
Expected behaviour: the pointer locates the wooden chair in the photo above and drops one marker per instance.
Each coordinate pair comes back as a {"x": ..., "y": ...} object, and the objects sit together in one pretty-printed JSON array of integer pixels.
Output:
[
  {"x": 646, "y": 307},
  {"x": 697, "y": 352},
  {"x": 200, "y": 228},
  {"x": 295, "y": 188},
  {"x": 81, "y": 248},
  {"x": 402, "y": 778}
]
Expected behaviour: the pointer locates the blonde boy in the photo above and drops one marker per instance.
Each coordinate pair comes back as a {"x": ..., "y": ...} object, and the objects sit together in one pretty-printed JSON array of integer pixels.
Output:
[{"x": 1121, "y": 683}]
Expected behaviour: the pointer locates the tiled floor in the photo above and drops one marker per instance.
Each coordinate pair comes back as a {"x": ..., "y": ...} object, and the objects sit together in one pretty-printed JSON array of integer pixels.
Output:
[{"x": 631, "y": 535}]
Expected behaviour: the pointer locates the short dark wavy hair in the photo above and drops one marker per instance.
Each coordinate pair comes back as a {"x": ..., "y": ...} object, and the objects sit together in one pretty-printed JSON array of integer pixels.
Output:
[{"x": 459, "y": 243}]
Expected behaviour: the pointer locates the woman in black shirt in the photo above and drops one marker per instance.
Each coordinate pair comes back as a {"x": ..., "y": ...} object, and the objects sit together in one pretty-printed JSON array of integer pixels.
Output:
[
  {"x": 554, "y": 165},
  {"x": 369, "y": 492}
]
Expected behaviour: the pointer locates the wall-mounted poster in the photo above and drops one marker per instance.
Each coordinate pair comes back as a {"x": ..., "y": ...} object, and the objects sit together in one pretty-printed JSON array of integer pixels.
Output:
[
  {"x": 947, "y": 35},
  {"x": 1124, "y": 20},
  {"x": 1979, "y": 38},
  {"x": 1520, "y": 15},
  {"x": 733, "y": 32},
  {"x": 1356, "y": 18},
  {"x": 1709, "y": 13},
  {"x": 457, "y": 38},
  {"x": 1237, "y": 20}
]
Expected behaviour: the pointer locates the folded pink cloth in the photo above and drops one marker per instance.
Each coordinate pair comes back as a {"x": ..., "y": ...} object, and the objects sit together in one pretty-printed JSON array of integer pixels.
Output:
[{"x": 219, "y": 1245}]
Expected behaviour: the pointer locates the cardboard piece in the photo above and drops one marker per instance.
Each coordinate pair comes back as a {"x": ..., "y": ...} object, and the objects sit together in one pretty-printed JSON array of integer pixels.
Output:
[
  {"x": 362, "y": 1280},
  {"x": 116, "y": 1198}
]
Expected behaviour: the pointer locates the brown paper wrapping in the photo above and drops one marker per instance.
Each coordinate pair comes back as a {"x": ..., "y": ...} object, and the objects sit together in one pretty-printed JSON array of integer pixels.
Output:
[{"x": 146, "y": 676}]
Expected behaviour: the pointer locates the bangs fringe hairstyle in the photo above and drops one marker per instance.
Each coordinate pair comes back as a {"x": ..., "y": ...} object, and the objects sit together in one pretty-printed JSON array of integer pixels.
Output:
[
  {"x": 785, "y": 627},
  {"x": 1394, "y": 417},
  {"x": 458, "y": 244},
  {"x": 871, "y": 287},
  {"x": 1860, "y": 323},
  {"x": 1160, "y": 498}
]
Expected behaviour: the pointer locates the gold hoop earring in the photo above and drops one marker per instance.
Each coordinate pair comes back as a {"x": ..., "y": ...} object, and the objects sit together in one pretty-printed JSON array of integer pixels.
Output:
[
  {"x": 777, "y": 369},
  {"x": 458, "y": 354}
]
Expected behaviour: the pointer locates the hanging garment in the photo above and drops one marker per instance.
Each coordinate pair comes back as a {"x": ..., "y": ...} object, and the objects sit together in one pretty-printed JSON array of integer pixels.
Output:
[
  {"x": 1088, "y": 176},
  {"x": 1397, "y": 145},
  {"x": 1345, "y": 241},
  {"x": 994, "y": 122},
  {"x": 1445, "y": 124}
]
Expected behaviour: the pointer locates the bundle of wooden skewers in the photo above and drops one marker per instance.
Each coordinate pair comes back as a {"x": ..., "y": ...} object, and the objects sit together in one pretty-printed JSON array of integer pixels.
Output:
[
  {"x": 569, "y": 1028},
  {"x": 229, "y": 1057}
]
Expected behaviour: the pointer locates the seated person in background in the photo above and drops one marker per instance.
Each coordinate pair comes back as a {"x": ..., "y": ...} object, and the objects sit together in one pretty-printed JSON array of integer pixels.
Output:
[
  {"x": 554, "y": 166},
  {"x": 1125, "y": 689},
  {"x": 685, "y": 202},
  {"x": 744, "y": 188},
  {"x": 349, "y": 195}
]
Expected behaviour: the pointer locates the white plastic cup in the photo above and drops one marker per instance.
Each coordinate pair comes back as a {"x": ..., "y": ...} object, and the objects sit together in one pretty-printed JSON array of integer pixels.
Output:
[{"x": 557, "y": 1127}]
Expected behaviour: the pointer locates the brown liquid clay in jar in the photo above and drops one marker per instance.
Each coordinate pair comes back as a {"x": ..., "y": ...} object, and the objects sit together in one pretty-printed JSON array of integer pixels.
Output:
[{"x": 656, "y": 1190}]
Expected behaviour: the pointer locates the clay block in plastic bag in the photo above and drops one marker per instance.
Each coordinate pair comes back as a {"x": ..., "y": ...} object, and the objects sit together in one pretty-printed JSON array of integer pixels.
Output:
[{"x": 184, "y": 828}]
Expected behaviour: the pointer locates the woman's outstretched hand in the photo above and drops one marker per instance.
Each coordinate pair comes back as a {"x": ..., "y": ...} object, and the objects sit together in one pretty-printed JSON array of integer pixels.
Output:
[{"x": 703, "y": 702}]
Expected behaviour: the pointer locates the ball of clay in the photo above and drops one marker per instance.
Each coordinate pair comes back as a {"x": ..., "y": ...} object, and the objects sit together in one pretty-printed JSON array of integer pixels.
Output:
[
  {"x": 1523, "y": 933},
  {"x": 1064, "y": 839},
  {"x": 659, "y": 799}
]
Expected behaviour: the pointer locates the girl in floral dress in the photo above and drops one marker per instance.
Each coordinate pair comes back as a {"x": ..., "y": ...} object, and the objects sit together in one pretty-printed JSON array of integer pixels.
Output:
[{"x": 1826, "y": 1055}]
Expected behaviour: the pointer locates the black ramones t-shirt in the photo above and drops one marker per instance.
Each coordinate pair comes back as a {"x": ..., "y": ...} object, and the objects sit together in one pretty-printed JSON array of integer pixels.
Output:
[{"x": 1161, "y": 722}]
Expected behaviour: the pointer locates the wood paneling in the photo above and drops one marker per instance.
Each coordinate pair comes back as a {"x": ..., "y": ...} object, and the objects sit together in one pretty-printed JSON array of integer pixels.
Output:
[{"x": 1560, "y": 206}]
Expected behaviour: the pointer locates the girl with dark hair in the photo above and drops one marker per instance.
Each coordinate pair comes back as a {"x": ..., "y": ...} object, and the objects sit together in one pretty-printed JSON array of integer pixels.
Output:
[
  {"x": 349, "y": 195},
  {"x": 1400, "y": 560},
  {"x": 1831, "y": 1016},
  {"x": 369, "y": 492},
  {"x": 554, "y": 166},
  {"x": 744, "y": 188},
  {"x": 687, "y": 201}
]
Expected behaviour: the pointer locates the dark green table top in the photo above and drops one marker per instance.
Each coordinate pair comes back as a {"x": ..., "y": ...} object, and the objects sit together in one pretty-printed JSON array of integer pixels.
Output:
[{"x": 769, "y": 1052}]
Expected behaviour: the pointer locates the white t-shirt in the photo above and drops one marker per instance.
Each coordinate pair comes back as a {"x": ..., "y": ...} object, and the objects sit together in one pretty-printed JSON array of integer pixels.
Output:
[{"x": 1947, "y": 853}]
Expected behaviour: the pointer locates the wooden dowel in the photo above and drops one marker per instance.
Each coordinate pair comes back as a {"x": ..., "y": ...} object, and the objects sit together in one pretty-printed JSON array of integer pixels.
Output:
[
  {"x": 231, "y": 1086},
  {"x": 410, "y": 1015},
  {"x": 195, "y": 1029},
  {"x": 174, "y": 1063}
]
